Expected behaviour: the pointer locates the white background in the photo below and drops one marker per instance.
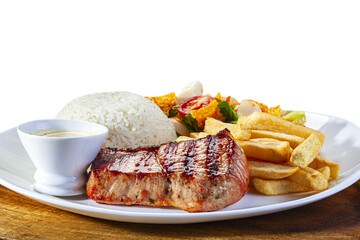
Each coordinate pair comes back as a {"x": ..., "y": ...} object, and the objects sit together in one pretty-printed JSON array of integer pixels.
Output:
[{"x": 302, "y": 55}]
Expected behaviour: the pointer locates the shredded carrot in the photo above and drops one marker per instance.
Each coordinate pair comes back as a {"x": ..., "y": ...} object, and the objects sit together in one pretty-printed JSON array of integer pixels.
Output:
[
  {"x": 177, "y": 119},
  {"x": 234, "y": 104},
  {"x": 228, "y": 99},
  {"x": 219, "y": 116},
  {"x": 217, "y": 112}
]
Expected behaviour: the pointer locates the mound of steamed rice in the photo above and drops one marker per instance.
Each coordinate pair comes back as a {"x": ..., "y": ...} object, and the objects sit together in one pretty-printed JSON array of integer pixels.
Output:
[{"x": 132, "y": 120}]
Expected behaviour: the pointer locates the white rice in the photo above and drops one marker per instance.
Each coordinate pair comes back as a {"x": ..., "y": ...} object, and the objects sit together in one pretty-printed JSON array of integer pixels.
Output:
[{"x": 132, "y": 120}]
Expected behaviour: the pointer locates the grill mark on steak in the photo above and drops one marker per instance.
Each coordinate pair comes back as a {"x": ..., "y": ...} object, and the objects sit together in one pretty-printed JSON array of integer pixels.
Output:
[
  {"x": 189, "y": 162},
  {"x": 142, "y": 170},
  {"x": 212, "y": 155},
  {"x": 230, "y": 148},
  {"x": 168, "y": 159}
]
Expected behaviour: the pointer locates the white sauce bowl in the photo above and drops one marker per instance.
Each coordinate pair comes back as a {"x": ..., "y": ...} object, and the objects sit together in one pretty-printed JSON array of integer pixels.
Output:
[{"x": 61, "y": 162}]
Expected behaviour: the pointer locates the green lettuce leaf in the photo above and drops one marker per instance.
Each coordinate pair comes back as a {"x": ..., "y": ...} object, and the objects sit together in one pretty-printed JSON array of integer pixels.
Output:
[
  {"x": 228, "y": 112},
  {"x": 173, "y": 111},
  {"x": 191, "y": 123}
]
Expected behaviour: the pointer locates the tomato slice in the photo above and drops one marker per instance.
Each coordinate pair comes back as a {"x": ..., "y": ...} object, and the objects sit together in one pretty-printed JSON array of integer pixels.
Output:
[{"x": 194, "y": 103}]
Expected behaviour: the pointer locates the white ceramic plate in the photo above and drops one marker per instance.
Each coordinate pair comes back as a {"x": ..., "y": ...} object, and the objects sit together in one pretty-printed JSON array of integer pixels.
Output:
[{"x": 342, "y": 145}]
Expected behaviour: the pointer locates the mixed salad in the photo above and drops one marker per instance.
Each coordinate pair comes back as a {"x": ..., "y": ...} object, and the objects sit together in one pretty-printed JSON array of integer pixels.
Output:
[{"x": 190, "y": 108}]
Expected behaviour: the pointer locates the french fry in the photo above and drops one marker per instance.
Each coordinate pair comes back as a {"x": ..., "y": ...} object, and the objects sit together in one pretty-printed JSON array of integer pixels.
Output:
[
  {"x": 183, "y": 138},
  {"x": 277, "y": 187},
  {"x": 325, "y": 171},
  {"x": 306, "y": 152},
  {"x": 241, "y": 119},
  {"x": 270, "y": 170},
  {"x": 292, "y": 139},
  {"x": 310, "y": 178},
  {"x": 213, "y": 126},
  {"x": 282, "y": 157},
  {"x": 198, "y": 134},
  {"x": 320, "y": 162},
  {"x": 268, "y": 122},
  {"x": 267, "y": 149}
]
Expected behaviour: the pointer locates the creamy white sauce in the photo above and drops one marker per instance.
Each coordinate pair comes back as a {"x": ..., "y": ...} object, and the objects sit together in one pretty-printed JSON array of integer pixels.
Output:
[{"x": 64, "y": 134}]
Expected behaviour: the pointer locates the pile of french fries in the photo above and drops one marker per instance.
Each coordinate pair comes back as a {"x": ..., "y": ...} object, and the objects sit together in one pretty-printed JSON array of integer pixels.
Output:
[{"x": 283, "y": 157}]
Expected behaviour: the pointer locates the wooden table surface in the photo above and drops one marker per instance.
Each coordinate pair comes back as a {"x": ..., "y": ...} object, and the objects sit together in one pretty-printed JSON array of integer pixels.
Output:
[{"x": 336, "y": 217}]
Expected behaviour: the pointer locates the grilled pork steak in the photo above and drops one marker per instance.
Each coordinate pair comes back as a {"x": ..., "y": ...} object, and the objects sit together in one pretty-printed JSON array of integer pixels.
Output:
[{"x": 200, "y": 175}]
